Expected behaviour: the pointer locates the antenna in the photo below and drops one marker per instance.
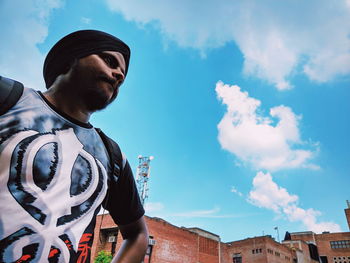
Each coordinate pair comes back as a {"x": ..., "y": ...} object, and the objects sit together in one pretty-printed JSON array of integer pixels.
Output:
[{"x": 142, "y": 176}]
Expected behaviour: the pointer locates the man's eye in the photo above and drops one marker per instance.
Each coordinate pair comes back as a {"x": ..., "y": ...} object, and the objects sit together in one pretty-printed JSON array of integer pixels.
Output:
[{"x": 109, "y": 60}]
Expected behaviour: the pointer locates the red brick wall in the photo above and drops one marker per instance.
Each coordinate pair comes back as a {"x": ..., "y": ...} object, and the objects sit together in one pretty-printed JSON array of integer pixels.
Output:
[
  {"x": 259, "y": 250},
  {"x": 324, "y": 248},
  {"x": 208, "y": 250},
  {"x": 97, "y": 245},
  {"x": 265, "y": 250},
  {"x": 179, "y": 245},
  {"x": 323, "y": 244},
  {"x": 305, "y": 237},
  {"x": 173, "y": 244}
]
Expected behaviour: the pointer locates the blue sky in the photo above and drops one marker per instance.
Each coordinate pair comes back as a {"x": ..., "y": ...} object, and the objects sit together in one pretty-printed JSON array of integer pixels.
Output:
[{"x": 243, "y": 104}]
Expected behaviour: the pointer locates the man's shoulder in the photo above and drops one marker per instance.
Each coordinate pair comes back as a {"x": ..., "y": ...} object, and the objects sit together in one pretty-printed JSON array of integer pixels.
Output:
[{"x": 10, "y": 92}]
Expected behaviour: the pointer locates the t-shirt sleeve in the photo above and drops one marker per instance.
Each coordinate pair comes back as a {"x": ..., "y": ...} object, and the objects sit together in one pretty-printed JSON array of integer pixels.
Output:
[{"x": 122, "y": 199}]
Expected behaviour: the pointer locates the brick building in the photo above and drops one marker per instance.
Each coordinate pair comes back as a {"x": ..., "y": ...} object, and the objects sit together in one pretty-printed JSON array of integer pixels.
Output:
[
  {"x": 167, "y": 243},
  {"x": 261, "y": 249},
  {"x": 172, "y": 244},
  {"x": 328, "y": 247}
]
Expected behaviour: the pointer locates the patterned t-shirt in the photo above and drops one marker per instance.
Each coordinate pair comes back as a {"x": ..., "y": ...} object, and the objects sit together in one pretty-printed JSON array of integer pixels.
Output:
[{"x": 53, "y": 179}]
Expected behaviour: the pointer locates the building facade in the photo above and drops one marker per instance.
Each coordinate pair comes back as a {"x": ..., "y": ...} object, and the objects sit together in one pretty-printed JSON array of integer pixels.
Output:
[
  {"x": 167, "y": 243},
  {"x": 326, "y": 247},
  {"x": 171, "y": 244},
  {"x": 258, "y": 250}
]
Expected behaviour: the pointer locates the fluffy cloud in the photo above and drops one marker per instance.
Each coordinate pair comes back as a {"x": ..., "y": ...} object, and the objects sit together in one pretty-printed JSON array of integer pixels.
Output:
[
  {"x": 255, "y": 139},
  {"x": 275, "y": 37},
  {"x": 267, "y": 194},
  {"x": 23, "y": 25},
  {"x": 153, "y": 207}
]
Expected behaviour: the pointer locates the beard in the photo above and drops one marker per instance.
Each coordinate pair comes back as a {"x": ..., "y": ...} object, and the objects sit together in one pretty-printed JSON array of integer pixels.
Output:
[
  {"x": 94, "y": 93},
  {"x": 92, "y": 87},
  {"x": 95, "y": 99}
]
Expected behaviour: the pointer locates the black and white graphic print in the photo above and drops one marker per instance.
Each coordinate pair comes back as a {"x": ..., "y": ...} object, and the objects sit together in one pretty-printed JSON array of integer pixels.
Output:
[{"x": 50, "y": 190}]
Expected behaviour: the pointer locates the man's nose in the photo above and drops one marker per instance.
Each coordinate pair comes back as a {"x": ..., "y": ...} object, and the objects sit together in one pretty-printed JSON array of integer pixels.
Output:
[{"x": 118, "y": 75}]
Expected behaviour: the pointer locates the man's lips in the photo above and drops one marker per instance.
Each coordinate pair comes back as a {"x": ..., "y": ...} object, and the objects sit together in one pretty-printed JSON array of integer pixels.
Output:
[{"x": 109, "y": 80}]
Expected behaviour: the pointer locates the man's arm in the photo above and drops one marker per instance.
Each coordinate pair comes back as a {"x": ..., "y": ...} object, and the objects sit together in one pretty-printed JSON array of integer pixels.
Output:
[{"x": 134, "y": 246}]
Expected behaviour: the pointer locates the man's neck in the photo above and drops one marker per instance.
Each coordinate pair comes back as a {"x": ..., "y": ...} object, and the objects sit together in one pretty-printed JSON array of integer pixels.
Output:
[{"x": 67, "y": 103}]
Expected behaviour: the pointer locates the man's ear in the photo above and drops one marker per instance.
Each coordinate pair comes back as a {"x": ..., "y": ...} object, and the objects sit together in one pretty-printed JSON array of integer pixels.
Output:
[
  {"x": 70, "y": 65},
  {"x": 64, "y": 71}
]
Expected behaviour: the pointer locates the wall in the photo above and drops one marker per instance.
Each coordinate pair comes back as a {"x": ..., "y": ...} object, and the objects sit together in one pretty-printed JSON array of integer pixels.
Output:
[
  {"x": 333, "y": 255},
  {"x": 259, "y": 250},
  {"x": 172, "y": 244},
  {"x": 194, "y": 245}
]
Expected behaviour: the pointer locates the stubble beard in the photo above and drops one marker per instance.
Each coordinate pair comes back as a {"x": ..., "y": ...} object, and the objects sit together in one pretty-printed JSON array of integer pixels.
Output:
[
  {"x": 90, "y": 92},
  {"x": 95, "y": 99}
]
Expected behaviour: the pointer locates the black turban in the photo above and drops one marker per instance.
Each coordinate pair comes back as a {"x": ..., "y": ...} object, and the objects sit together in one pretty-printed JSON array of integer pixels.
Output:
[{"x": 77, "y": 45}]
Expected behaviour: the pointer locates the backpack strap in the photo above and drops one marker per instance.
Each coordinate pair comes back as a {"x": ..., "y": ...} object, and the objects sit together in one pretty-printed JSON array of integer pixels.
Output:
[
  {"x": 10, "y": 92},
  {"x": 115, "y": 155},
  {"x": 116, "y": 164}
]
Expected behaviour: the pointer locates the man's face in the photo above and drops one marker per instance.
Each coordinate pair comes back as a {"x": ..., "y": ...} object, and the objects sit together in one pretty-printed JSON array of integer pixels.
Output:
[{"x": 97, "y": 78}]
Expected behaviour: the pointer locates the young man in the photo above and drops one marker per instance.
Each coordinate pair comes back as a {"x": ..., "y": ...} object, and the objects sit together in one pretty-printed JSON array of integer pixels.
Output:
[{"x": 54, "y": 167}]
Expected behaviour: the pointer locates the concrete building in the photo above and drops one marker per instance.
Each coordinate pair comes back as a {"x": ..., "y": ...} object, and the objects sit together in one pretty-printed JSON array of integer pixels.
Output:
[{"x": 171, "y": 244}]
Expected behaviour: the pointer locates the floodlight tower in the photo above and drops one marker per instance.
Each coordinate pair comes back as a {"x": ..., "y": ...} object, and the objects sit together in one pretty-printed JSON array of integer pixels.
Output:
[{"x": 142, "y": 176}]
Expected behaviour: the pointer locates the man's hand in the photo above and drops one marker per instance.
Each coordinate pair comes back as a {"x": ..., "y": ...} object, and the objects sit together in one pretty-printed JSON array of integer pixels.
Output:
[{"x": 134, "y": 246}]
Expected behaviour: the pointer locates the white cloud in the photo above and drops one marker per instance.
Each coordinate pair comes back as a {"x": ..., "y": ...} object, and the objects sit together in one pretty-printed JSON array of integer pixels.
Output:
[
  {"x": 234, "y": 190},
  {"x": 199, "y": 213},
  {"x": 212, "y": 213},
  {"x": 153, "y": 207},
  {"x": 267, "y": 194},
  {"x": 23, "y": 25},
  {"x": 275, "y": 37},
  {"x": 255, "y": 139}
]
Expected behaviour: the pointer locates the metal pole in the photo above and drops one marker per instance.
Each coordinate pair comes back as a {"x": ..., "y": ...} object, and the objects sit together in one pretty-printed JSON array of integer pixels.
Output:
[{"x": 278, "y": 234}]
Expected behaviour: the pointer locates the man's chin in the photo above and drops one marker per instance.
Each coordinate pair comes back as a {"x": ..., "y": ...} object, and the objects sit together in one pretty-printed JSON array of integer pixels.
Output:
[{"x": 96, "y": 101}]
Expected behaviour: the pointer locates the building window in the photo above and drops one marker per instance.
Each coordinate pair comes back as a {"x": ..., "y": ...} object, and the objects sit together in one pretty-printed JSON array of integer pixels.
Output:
[
  {"x": 340, "y": 244},
  {"x": 237, "y": 258},
  {"x": 324, "y": 259},
  {"x": 341, "y": 259},
  {"x": 277, "y": 254},
  {"x": 256, "y": 251},
  {"x": 270, "y": 251},
  {"x": 151, "y": 243}
]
